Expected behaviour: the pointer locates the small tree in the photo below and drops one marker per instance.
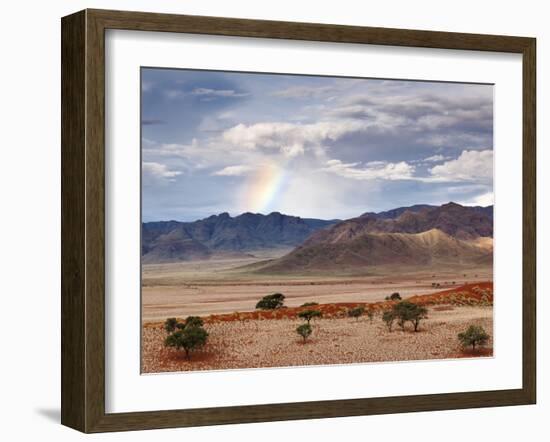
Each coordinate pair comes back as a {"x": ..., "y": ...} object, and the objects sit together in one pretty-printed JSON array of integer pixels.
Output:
[
  {"x": 474, "y": 336},
  {"x": 388, "y": 317},
  {"x": 188, "y": 339},
  {"x": 271, "y": 302},
  {"x": 406, "y": 311},
  {"x": 304, "y": 331},
  {"x": 419, "y": 314},
  {"x": 309, "y": 304},
  {"x": 356, "y": 312},
  {"x": 370, "y": 314},
  {"x": 394, "y": 297},
  {"x": 308, "y": 315}
]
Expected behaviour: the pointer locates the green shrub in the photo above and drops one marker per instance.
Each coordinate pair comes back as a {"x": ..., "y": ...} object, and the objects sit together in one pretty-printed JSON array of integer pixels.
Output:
[
  {"x": 304, "y": 331},
  {"x": 356, "y": 312},
  {"x": 393, "y": 297},
  {"x": 473, "y": 336},
  {"x": 271, "y": 302},
  {"x": 309, "y": 304},
  {"x": 308, "y": 315},
  {"x": 188, "y": 339},
  {"x": 403, "y": 312},
  {"x": 406, "y": 311}
]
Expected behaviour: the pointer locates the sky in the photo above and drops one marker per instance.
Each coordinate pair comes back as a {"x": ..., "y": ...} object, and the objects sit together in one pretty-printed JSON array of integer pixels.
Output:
[{"x": 309, "y": 146}]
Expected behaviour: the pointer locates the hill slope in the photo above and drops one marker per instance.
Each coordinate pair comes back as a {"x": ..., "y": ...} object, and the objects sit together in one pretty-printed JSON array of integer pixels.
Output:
[{"x": 355, "y": 252}]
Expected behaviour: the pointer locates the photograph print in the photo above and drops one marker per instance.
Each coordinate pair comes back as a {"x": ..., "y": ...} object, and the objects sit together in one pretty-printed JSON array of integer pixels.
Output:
[{"x": 297, "y": 220}]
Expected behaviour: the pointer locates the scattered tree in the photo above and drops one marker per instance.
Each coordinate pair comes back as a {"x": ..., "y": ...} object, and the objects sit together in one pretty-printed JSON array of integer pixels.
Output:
[
  {"x": 394, "y": 297},
  {"x": 388, "y": 317},
  {"x": 356, "y": 312},
  {"x": 370, "y": 314},
  {"x": 418, "y": 314},
  {"x": 188, "y": 339},
  {"x": 308, "y": 315},
  {"x": 403, "y": 312},
  {"x": 304, "y": 331},
  {"x": 474, "y": 336},
  {"x": 406, "y": 311},
  {"x": 309, "y": 304},
  {"x": 271, "y": 302}
]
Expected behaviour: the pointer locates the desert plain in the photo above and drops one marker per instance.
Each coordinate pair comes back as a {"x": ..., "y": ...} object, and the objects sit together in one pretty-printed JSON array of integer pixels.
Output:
[
  {"x": 222, "y": 286},
  {"x": 224, "y": 293}
]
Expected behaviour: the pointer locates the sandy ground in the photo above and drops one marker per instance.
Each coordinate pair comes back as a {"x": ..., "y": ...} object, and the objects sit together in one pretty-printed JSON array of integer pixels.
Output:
[
  {"x": 213, "y": 287},
  {"x": 274, "y": 343}
]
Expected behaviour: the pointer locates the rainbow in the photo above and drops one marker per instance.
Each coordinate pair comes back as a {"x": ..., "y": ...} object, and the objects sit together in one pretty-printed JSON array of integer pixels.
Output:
[{"x": 263, "y": 188}]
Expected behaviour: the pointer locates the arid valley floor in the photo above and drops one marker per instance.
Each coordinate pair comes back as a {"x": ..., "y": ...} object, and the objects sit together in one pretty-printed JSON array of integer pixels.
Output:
[{"x": 239, "y": 337}]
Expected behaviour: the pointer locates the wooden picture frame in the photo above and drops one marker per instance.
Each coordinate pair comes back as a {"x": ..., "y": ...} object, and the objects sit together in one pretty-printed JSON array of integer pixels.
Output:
[{"x": 83, "y": 220}]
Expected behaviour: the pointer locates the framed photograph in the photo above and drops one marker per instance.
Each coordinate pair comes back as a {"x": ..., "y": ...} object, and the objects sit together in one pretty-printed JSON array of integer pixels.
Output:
[{"x": 252, "y": 208}]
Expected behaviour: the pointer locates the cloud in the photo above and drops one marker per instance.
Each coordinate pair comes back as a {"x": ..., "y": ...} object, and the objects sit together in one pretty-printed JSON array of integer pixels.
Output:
[
  {"x": 218, "y": 92},
  {"x": 205, "y": 94},
  {"x": 376, "y": 170},
  {"x": 415, "y": 105},
  {"x": 471, "y": 165},
  {"x": 486, "y": 199},
  {"x": 435, "y": 159},
  {"x": 233, "y": 170},
  {"x": 305, "y": 92},
  {"x": 290, "y": 139},
  {"x": 353, "y": 111},
  {"x": 157, "y": 172},
  {"x": 174, "y": 93},
  {"x": 438, "y": 118},
  {"x": 146, "y": 86}
]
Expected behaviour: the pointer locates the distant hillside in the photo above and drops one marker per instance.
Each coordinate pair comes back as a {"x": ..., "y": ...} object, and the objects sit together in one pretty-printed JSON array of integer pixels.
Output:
[
  {"x": 395, "y": 213},
  {"x": 375, "y": 249},
  {"x": 169, "y": 241},
  {"x": 462, "y": 222},
  {"x": 449, "y": 234}
]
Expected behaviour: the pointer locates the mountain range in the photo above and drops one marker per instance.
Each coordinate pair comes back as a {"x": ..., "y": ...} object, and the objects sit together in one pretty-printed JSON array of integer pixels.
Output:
[
  {"x": 169, "y": 241},
  {"x": 415, "y": 235}
]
